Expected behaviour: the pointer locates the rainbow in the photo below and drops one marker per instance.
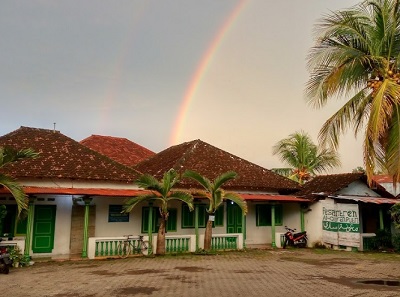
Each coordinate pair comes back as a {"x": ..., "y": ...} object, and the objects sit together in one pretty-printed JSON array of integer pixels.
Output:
[{"x": 201, "y": 69}]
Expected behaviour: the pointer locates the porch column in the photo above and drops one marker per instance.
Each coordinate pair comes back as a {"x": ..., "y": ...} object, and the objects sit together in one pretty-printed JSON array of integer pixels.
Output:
[
  {"x": 87, "y": 201},
  {"x": 244, "y": 229},
  {"x": 381, "y": 224},
  {"x": 273, "y": 225},
  {"x": 29, "y": 227},
  {"x": 196, "y": 225},
  {"x": 150, "y": 228}
]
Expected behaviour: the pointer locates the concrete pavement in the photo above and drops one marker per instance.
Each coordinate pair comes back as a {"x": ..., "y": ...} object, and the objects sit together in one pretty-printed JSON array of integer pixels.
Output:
[{"x": 272, "y": 273}]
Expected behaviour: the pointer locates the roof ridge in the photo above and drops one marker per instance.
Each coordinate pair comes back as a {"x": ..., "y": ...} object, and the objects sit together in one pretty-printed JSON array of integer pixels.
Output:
[{"x": 187, "y": 153}]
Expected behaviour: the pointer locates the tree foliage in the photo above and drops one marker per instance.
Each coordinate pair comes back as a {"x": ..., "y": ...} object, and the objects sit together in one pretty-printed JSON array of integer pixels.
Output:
[
  {"x": 304, "y": 158},
  {"x": 162, "y": 194},
  {"x": 8, "y": 156},
  {"x": 356, "y": 57},
  {"x": 216, "y": 196}
]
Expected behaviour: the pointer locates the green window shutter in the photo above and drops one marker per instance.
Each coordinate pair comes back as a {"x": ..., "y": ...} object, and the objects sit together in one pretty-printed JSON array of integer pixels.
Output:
[
  {"x": 203, "y": 216},
  {"x": 219, "y": 216},
  {"x": 263, "y": 215},
  {"x": 278, "y": 215},
  {"x": 172, "y": 219},
  {"x": 145, "y": 219},
  {"x": 188, "y": 216}
]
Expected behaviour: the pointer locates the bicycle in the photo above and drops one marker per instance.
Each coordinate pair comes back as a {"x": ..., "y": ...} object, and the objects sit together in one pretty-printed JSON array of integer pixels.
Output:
[{"x": 132, "y": 245}]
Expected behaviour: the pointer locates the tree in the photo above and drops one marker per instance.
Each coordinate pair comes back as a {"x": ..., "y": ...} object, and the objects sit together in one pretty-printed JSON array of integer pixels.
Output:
[
  {"x": 358, "y": 169},
  {"x": 216, "y": 196},
  {"x": 304, "y": 157},
  {"x": 356, "y": 57},
  {"x": 8, "y": 156},
  {"x": 161, "y": 191}
]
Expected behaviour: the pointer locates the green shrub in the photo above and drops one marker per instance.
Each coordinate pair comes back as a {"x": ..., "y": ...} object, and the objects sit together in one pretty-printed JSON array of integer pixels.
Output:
[
  {"x": 382, "y": 240},
  {"x": 396, "y": 242}
]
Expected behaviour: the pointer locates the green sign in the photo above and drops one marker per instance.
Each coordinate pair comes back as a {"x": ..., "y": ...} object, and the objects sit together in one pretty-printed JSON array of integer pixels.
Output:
[{"x": 115, "y": 214}]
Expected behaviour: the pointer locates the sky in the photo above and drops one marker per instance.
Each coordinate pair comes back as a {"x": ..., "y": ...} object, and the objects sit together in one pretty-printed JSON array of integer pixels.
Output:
[{"x": 229, "y": 72}]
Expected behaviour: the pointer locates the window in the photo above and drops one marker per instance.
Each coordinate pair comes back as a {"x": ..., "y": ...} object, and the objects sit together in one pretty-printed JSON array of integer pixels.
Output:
[
  {"x": 11, "y": 225},
  {"x": 263, "y": 215},
  {"x": 188, "y": 216},
  {"x": 171, "y": 222},
  {"x": 115, "y": 215},
  {"x": 219, "y": 216}
]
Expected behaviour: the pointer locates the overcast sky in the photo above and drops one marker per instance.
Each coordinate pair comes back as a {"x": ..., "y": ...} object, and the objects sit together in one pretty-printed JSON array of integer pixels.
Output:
[{"x": 122, "y": 68}]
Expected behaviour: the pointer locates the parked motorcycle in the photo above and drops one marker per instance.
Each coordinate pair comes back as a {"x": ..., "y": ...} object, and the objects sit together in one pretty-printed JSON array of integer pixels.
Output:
[
  {"x": 5, "y": 261},
  {"x": 295, "y": 239}
]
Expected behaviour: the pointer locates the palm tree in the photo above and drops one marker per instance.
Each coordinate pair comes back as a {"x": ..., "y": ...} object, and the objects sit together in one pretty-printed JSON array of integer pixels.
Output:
[
  {"x": 161, "y": 191},
  {"x": 216, "y": 196},
  {"x": 304, "y": 157},
  {"x": 8, "y": 156},
  {"x": 356, "y": 56}
]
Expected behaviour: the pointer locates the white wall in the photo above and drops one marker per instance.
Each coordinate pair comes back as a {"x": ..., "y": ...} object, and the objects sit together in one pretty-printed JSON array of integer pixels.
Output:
[
  {"x": 263, "y": 234},
  {"x": 313, "y": 222},
  {"x": 358, "y": 188},
  {"x": 62, "y": 223}
]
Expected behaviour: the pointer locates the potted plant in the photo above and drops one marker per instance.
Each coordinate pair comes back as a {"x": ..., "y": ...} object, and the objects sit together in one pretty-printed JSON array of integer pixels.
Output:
[{"x": 16, "y": 256}]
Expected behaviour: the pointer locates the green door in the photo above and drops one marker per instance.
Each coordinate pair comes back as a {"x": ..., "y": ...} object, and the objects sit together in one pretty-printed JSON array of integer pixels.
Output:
[
  {"x": 233, "y": 218},
  {"x": 43, "y": 228}
]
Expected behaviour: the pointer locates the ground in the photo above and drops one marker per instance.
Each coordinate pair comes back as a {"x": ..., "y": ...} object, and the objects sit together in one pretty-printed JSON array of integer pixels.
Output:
[{"x": 293, "y": 272}]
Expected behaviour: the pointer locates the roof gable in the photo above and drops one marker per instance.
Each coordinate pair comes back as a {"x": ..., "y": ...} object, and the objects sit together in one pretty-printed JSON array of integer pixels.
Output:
[
  {"x": 121, "y": 150},
  {"x": 329, "y": 184},
  {"x": 61, "y": 157},
  {"x": 211, "y": 162}
]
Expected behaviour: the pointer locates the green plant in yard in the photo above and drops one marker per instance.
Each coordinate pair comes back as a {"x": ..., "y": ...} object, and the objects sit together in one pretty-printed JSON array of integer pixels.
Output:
[
  {"x": 160, "y": 192},
  {"x": 216, "y": 195},
  {"x": 382, "y": 240}
]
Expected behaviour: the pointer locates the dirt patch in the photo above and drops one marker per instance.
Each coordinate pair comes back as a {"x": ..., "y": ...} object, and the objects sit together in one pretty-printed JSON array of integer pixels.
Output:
[
  {"x": 131, "y": 291},
  {"x": 243, "y": 271},
  {"x": 87, "y": 266},
  {"x": 191, "y": 268},
  {"x": 104, "y": 272},
  {"x": 357, "y": 283},
  {"x": 183, "y": 279},
  {"x": 319, "y": 262},
  {"x": 143, "y": 271},
  {"x": 73, "y": 295}
]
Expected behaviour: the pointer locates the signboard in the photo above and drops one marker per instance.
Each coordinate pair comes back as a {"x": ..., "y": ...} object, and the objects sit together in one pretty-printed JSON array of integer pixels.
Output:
[
  {"x": 341, "y": 224},
  {"x": 115, "y": 215}
]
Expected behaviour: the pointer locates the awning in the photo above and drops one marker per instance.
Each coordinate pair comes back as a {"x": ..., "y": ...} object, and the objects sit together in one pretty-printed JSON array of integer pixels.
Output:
[
  {"x": 266, "y": 197},
  {"x": 79, "y": 191},
  {"x": 367, "y": 199}
]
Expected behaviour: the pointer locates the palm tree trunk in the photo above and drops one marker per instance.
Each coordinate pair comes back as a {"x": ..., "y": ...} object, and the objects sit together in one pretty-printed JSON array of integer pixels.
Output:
[
  {"x": 161, "y": 237},
  {"x": 208, "y": 236}
]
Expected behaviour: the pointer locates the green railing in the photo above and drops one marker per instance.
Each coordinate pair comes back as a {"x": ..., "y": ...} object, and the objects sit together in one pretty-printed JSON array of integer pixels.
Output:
[
  {"x": 177, "y": 245},
  {"x": 108, "y": 247},
  {"x": 224, "y": 242}
]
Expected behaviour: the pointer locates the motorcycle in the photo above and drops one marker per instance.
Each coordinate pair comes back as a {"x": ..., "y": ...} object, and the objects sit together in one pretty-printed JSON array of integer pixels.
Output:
[
  {"x": 295, "y": 239},
  {"x": 5, "y": 261}
]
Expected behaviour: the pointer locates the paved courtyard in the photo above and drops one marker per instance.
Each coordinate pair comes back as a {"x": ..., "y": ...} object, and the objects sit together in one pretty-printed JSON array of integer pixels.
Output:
[{"x": 251, "y": 273}]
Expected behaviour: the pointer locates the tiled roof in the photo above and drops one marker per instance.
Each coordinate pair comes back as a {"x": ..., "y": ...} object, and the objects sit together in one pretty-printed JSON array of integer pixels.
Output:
[
  {"x": 61, "y": 157},
  {"x": 211, "y": 162},
  {"x": 328, "y": 184},
  {"x": 119, "y": 149}
]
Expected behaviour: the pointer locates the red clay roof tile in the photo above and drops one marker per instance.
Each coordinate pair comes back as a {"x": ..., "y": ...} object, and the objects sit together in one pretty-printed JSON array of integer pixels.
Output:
[
  {"x": 61, "y": 157},
  {"x": 211, "y": 161},
  {"x": 121, "y": 150}
]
